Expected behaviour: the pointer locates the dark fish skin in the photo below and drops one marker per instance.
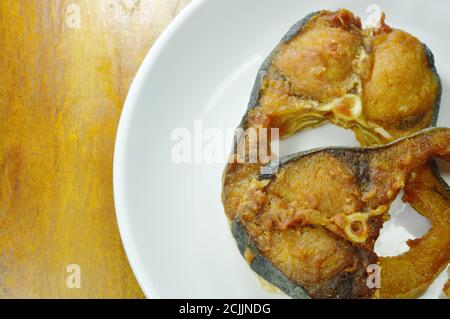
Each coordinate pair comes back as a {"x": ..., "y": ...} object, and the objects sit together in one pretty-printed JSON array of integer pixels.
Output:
[
  {"x": 355, "y": 157},
  {"x": 261, "y": 265},
  {"x": 437, "y": 103}
]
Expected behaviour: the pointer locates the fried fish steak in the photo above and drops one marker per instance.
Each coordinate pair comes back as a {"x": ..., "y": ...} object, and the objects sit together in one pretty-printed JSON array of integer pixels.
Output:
[
  {"x": 379, "y": 82},
  {"x": 317, "y": 216},
  {"x": 327, "y": 68}
]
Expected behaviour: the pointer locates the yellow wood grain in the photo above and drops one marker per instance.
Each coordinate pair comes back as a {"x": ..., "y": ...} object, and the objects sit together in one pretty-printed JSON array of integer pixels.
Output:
[{"x": 65, "y": 69}]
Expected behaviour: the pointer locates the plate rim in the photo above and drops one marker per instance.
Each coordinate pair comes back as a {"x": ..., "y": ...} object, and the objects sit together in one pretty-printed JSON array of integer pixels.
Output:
[{"x": 119, "y": 158}]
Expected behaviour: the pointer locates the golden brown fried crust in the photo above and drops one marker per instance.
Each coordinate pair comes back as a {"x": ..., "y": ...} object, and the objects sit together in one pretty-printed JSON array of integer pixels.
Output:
[
  {"x": 288, "y": 221},
  {"x": 402, "y": 88},
  {"x": 318, "y": 63},
  {"x": 389, "y": 168},
  {"x": 324, "y": 264},
  {"x": 409, "y": 274}
]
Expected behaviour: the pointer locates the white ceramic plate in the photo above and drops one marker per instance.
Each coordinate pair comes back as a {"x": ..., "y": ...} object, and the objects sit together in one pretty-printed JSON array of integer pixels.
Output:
[{"x": 202, "y": 68}]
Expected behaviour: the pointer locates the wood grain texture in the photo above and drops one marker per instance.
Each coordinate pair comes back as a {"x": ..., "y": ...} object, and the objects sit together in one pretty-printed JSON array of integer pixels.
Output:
[{"x": 65, "y": 69}]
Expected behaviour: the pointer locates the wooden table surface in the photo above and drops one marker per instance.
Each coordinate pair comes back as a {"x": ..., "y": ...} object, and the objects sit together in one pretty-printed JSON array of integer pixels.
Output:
[{"x": 65, "y": 69}]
